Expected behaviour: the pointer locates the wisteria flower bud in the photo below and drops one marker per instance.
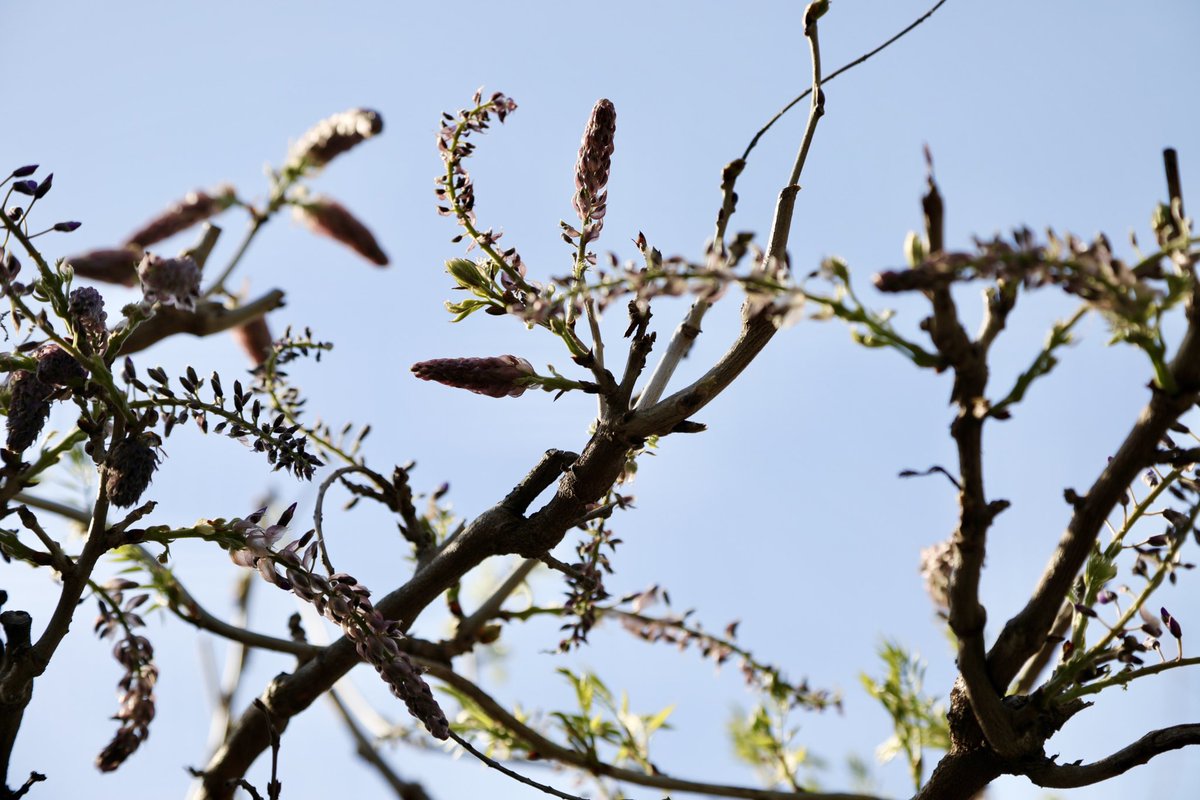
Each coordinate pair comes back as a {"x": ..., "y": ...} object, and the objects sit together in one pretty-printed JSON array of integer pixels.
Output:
[
  {"x": 331, "y": 137},
  {"x": 171, "y": 281},
  {"x": 330, "y": 218},
  {"x": 129, "y": 468},
  {"x": 111, "y": 265},
  {"x": 255, "y": 338},
  {"x": 86, "y": 307},
  {"x": 497, "y": 376},
  {"x": 194, "y": 208},
  {"x": 592, "y": 166},
  {"x": 28, "y": 408},
  {"x": 57, "y": 367},
  {"x": 937, "y": 566}
]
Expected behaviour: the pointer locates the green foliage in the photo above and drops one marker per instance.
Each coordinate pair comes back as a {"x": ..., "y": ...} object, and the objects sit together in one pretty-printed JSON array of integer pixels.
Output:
[
  {"x": 919, "y": 721},
  {"x": 765, "y": 739}
]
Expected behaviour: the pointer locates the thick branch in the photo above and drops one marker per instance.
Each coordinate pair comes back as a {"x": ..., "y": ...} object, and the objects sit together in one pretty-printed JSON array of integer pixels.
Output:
[
  {"x": 207, "y": 319},
  {"x": 1069, "y": 776}
]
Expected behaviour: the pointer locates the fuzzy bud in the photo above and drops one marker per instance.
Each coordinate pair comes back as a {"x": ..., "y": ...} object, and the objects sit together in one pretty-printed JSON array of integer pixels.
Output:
[
  {"x": 28, "y": 408},
  {"x": 86, "y": 308},
  {"x": 330, "y": 218},
  {"x": 194, "y": 208},
  {"x": 111, "y": 265},
  {"x": 331, "y": 137},
  {"x": 255, "y": 338},
  {"x": 56, "y": 367},
  {"x": 171, "y": 281},
  {"x": 497, "y": 376},
  {"x": 129, "y": 468},
  {"x": 592, "y": 166}
]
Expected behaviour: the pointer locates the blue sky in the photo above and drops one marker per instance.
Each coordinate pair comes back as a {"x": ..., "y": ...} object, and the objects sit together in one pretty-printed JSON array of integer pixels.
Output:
[{"x": 787, "y": 513}]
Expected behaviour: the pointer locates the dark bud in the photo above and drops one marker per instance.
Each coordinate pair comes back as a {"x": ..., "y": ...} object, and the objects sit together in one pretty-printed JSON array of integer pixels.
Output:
[
  {"x": 66, "y": 227},
  {"x": 25, "y": 187},
  {"x": 56, "y": 367},
  {"x": 28, "y": 408},
  {"x": 130, "y": 466},
  {"x": 111, "y": 265},
  {"x": 24, "y": 172},
  {"x": 86, "y": 309},
  {"x": 43, "y": 188}
]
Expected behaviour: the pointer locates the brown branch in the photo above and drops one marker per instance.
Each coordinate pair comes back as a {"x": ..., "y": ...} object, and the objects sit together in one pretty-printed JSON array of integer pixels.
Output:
[
  {"x": 1024, "y": 634},
  {"x": 368, "y": 752},
  {"x": 550, "y": 750},
  {"x": 757, "y": 329},
  {"x": 208, "y": 318},
  {"x": 1069, "y": 776}
]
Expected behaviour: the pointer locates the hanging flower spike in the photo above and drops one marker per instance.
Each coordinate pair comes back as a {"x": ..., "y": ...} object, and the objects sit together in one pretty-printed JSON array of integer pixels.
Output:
[
  {"x": 328, "y": 217},
  {"x": 592, "y": 167},
  {"x": 194, "y": 208},
  {"x": 331, "y": 137},
  {"x": 171, "y": 281},
  {"x": 497, "y": 376}
]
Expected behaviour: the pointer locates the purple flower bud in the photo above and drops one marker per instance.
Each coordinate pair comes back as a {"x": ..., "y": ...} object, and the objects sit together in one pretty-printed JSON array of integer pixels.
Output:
[
  {"x": 194, "y": 208},
  {"x": 24, "y": 172},
  {"x": 330, "y": 218},
  {"x": 129, "y": 468},
  {"x": 25, "y": 187},
  {"x": 43, "y": 188},
  {"x": 331, "y": 137},
  {"x": 86, "y": 309},
  {"x": 110, "y": 264},
  {"x": 66, "y": 227},
  {"x": 497, "y": 376},
  {"x": 170, "y": 281}
]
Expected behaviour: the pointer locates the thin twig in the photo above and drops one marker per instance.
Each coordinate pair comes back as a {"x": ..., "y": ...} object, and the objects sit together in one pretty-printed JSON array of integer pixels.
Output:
[
  {"x": 836, "y": 73},
  {"x": 367, "y": 751}
]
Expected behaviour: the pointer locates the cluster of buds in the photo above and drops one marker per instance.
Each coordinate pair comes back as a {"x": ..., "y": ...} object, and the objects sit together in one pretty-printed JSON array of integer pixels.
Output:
[
  {"x": 255, "y": 339},
  {"x": 130, "y": 466},
  {"x": 1088, "y": 270},
  {"x": 136, "y": 687},
  {"x": 107, "y": 264},
  {"x": 343, "y": 600},
  {"x": 333, "y": 136},
  {"x": 937, "y": 567},
  {"x": 170, "y": 281},
  {"x": 592, "y": 167},
  {"x": 457, "y": 192},
  {"x": 85, "y": 307},
  {"x": 328, "y": 217},
  {"x": 680, "y": 631},
  {"x": 194, "y": 208},
  {"x": 31, "y": 392},
  {"x": 496, "y": 376}
]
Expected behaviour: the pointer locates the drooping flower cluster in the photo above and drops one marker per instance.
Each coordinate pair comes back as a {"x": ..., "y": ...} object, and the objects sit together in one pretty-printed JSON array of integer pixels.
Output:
[
  {"x": 130, "y": 466},
  {"x": 194, "y": 208},
  {"x": 497, "y": 376},
  {"x": 136, "y": 687},
  {"x": 346, "y": 602},
  {"x": 108, "y": 264},
  {"x": 170, "y": 281},
  {"x": 30, "y": 393},
  {"x": 937, "y": 567},
  {"x": 328, "y": 217},
  {"x": 86, "y": 309},
  {"x": 333, "y": 136},
  {"x": 592, "y": 168}
]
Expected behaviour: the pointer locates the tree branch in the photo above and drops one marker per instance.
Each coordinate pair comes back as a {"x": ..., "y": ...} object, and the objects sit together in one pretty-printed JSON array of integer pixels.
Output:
[
  {"x": 551, "y": 750},
  {"x": 1069, "y": 776},
  {"x": 208, "y": 318}
]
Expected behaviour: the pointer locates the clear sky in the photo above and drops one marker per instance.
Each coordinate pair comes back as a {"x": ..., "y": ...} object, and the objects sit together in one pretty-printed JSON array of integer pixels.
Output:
[{"x": 787, "y": 513}]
